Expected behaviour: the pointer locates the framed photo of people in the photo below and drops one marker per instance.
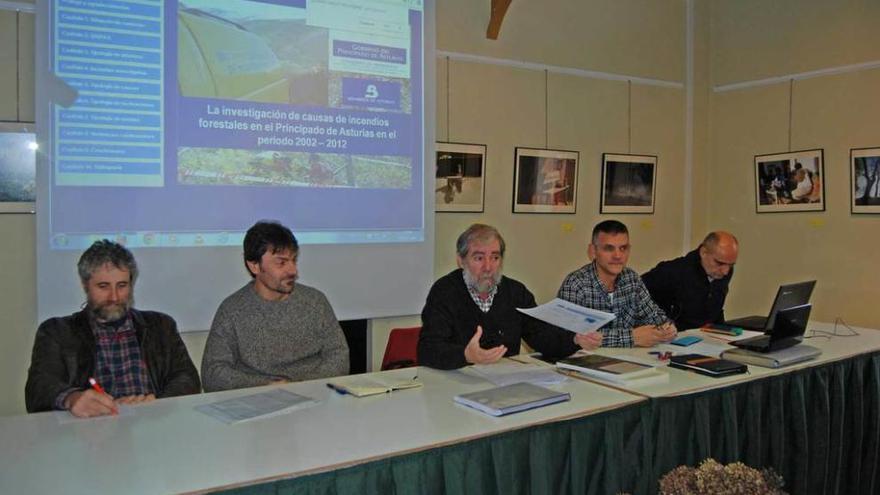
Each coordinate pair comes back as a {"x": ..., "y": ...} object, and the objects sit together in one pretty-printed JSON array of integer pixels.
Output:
[
  {"x": 629, "y": 183},
  {"x": 545, "y": 181},
  {"x": 865, "y": 180},
  {"x": 793, "y": 181},
  {"x": 460, "y": 172},
  {"x": 18, "y": 167}
]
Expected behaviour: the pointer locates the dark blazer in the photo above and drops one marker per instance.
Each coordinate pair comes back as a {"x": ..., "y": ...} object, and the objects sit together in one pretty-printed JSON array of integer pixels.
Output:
[
  {"x": 681, "y": 288},
  {"x": 64, "y": 357}
]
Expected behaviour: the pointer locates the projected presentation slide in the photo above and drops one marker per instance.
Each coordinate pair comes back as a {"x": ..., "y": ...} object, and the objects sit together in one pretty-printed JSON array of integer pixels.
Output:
[{"x": 189, "y": 120}]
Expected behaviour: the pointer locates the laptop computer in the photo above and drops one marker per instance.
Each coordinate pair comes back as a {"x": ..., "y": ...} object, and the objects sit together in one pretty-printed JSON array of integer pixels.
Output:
[
  {"x": 788, "y": 330},
  {"x": 788, "y": 296}
]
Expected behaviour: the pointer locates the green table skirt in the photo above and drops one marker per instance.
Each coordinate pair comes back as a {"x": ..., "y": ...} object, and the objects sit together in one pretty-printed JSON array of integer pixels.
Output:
[
  {"x": 819, "y": 428},
  {"x": 602, "y": 453}
]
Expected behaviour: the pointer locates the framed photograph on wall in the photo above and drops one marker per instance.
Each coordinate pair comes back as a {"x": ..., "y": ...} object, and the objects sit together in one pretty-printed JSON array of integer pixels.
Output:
[
  {"x": 864, "y": 180},
  {"x": 460, "y": 172},
  {"x": 545, "y": 181},
  {"x": 629, "y": 183},
  {"x": 792, "y": 181},
  {"x": 18, "y": 167}
]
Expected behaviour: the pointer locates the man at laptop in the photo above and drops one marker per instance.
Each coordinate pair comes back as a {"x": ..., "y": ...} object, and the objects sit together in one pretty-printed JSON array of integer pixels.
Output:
[{"x": 691, "y": 289}]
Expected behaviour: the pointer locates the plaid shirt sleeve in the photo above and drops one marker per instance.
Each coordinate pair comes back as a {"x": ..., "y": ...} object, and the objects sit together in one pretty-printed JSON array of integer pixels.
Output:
[
  {"x": 632, "y": 304},
  {"x": 649, "y": 312},
  {"x": 572, "y": 290}
]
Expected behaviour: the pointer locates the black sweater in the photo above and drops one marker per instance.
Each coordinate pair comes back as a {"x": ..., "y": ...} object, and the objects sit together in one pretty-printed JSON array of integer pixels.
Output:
[
  {"x": 681, "y": 288},
  {"x": 451, "y": 316}
]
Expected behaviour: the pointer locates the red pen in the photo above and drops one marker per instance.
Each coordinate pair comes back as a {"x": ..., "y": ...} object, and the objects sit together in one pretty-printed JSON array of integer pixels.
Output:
[{"x": 96, "y": 386}]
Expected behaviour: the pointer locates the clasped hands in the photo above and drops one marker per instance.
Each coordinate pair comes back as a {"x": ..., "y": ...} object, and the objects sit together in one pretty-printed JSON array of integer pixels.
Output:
[{"x": 650, "y": 335}]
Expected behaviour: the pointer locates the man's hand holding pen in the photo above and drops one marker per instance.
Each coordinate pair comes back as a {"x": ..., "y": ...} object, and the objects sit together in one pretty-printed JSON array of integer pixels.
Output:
[{"x": 651, "y": 335}]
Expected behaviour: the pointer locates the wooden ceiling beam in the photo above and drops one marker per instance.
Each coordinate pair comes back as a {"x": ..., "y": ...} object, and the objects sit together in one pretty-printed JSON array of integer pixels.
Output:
[{"x": 499, "y": 8}]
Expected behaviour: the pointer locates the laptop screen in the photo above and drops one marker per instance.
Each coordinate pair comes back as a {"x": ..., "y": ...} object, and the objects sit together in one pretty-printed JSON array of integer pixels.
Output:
[
  {"x": 790, "y": 296},
  {"x": 791, "y": 323}
]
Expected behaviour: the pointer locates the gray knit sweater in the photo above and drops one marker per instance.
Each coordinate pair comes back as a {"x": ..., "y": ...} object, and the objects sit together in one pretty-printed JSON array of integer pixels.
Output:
[{"x": 254, "y": 341}]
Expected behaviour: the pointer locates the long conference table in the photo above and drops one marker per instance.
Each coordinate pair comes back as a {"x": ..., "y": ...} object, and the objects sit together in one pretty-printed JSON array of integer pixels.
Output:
[{"x": 817, "y": 423}]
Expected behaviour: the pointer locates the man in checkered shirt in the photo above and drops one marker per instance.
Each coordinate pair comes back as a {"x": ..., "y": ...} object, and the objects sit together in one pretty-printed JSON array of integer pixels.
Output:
[
  {"x": 606, "y": 284},
  {"x": 137, "y": 356}
]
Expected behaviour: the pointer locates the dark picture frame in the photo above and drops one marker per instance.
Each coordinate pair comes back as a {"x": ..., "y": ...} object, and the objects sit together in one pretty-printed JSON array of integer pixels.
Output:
[
  {"x": 864, "y": 180},
  {"x": 545, "y": 181},
  {"x": 791, "y": 181},
  {"x": 460, "y": 177},
  {"x": 629, "y": 183},
  {"x": 18, "y": 156}
]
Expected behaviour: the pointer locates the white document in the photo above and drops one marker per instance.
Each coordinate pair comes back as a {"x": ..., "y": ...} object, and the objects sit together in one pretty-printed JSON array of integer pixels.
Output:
[
  {"x": 570, "y": 316},
  {"x": 506, "y": 373},
  {"x": 261, "y": 405}
]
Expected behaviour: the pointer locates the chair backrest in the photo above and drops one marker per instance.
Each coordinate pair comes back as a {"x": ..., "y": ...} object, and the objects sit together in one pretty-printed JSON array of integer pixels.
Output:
[{"x": 401, "y": 349}]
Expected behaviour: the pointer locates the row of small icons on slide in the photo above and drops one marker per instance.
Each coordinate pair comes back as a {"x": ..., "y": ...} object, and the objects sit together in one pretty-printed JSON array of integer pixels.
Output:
[
  {"x": 154, "y": 239},
  {"x": 150, "y": 239}
]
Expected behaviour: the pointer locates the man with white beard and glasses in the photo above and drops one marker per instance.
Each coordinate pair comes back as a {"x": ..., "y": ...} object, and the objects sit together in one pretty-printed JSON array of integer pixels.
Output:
[
  {"x": 132, "y": 356},
  {"x": 470, "y": 315},
  {"x": 272, "y": 330}
]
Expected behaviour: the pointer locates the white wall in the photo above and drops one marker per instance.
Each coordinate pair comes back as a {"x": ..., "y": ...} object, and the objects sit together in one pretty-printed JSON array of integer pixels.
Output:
[{"x": 833, "y": 112}]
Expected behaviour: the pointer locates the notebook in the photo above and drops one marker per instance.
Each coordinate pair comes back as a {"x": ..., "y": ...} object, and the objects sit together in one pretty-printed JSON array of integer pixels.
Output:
[
  {"x": 707, "y": 365},
  {"x": 510, "y": 399},
  {"x": 787, "y": 331},
  {"x": 614, "y": 370},
  {"x": 363, "y": 387},
  {"x": 788, "y": 296}
]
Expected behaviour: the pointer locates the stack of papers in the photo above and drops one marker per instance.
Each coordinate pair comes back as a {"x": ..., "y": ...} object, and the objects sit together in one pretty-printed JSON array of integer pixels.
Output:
[
  {"x": 511, "y": 398},
  {"x": 256, "y": 406}
]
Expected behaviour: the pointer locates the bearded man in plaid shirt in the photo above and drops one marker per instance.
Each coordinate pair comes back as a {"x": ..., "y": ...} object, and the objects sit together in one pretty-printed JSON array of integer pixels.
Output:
[
  {"x": 137, "y": 356},
  {"x": 606, "y": 284}
]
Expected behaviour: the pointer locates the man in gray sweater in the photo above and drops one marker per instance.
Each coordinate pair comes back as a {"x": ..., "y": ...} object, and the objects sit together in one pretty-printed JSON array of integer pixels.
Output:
[{"x": 272, "y": 330}]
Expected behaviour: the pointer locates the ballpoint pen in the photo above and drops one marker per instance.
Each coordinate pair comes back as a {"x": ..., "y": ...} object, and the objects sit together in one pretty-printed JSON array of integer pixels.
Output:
[
  {"x": 338, "y": 390},
  {"x": 96, "y": 386}
]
